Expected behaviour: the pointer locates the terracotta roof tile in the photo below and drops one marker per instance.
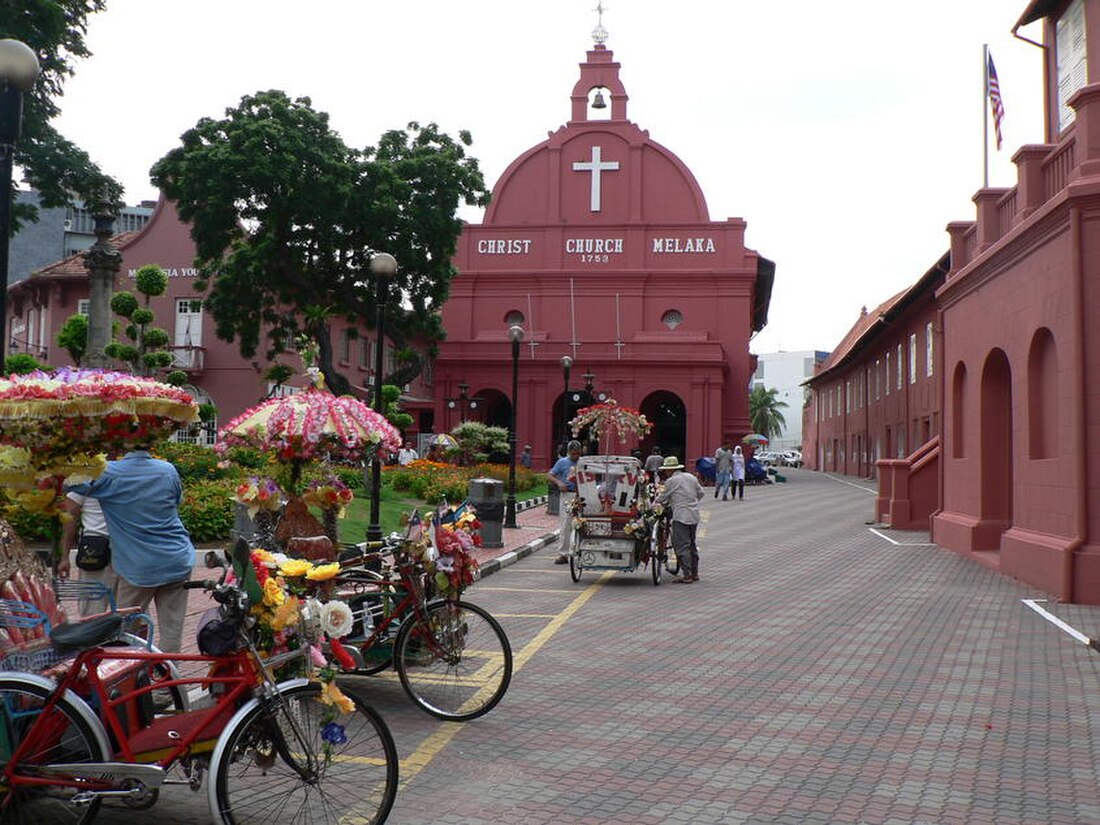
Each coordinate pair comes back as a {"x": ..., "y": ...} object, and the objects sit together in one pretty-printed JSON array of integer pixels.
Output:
[
  {"x": 73, "y": 266},
  {"x": 864, "y": 327}
]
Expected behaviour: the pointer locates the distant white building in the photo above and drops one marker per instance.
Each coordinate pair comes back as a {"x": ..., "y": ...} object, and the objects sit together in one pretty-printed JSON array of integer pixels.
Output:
[{"x": 785, "y": 371}]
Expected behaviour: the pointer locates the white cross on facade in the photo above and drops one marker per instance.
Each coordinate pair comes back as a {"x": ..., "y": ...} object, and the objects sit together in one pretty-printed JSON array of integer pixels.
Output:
[{"x": 596, "y": 166}]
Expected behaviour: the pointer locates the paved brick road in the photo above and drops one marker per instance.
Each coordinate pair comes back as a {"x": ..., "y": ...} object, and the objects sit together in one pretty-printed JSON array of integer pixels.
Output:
[{"x": 818, "y": 673}]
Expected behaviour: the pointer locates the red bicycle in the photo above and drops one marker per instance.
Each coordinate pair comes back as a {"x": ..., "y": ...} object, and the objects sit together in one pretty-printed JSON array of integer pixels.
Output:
[
  {"x": 87, "y": 731},
  {"x": 453, "y": 658}
]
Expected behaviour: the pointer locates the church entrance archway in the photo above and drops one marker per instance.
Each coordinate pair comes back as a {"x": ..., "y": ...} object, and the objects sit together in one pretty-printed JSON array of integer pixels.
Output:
[
  {"x": 666, "y": 412},
  {"x": 497, "y": 408},
  {"x": 995, "y": 435}
]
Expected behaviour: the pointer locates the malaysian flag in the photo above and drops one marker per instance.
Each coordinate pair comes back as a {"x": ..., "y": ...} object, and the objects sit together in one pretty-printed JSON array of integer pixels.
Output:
[{"x": 994, "y": 87}]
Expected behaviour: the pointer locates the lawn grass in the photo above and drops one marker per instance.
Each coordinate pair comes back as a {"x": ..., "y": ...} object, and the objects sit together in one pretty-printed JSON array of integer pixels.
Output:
[{"x": 353, "y": 528}]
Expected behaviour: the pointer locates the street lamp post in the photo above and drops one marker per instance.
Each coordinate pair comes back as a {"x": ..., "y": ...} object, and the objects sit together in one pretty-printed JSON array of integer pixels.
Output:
[
  {"x": 515, "y": 333},
  {"x": 566, "y": 366},
  {"x": 18, "y": 73},
  {"x": 382, "y": 267}
]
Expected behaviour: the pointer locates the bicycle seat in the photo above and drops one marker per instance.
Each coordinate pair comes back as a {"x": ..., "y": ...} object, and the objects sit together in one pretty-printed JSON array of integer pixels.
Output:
[{"x": 89, "y": 633}]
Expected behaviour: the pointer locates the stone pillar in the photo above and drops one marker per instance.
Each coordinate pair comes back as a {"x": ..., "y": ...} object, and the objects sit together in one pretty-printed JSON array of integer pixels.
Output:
[
  {"x": 959, "y": 230},
  {"x": 1086, "y": 104},
  {"x": 1030, "y": 191},
  {"x": 102, "y": 261},
  {"x": 989, "y": 225}
]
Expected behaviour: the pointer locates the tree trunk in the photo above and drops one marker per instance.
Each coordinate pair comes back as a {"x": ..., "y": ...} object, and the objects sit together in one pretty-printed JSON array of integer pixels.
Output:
[{"x": 336, "y": 382}]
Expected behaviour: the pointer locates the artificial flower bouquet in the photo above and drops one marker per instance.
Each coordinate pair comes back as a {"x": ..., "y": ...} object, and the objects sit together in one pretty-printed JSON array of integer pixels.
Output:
[
  {"x": 259, "y": 494},
  {"x": 330, "y": 495}
]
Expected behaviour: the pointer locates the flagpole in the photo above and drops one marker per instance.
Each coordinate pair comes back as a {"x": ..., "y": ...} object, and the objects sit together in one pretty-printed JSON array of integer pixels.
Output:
[{"x": 985, "y": 115}]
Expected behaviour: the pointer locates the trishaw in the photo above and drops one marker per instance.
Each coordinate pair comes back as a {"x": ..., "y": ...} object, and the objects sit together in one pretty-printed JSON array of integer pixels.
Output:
[{"x": 615, "y": 526}]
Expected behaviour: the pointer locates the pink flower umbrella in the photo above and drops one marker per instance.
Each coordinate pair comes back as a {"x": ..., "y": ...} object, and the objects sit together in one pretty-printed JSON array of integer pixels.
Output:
[{"x": 301, "y": 427}]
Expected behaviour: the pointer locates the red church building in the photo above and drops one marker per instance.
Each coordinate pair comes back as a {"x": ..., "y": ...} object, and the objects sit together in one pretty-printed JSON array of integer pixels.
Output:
[{"x": 598, "y": 243}]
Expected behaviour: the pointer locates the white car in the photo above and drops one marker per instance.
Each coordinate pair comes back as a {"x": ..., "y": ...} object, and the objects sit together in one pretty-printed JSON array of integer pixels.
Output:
[
  {"x": 791, "y": 458},
  {"x": 767, "y": 458}
]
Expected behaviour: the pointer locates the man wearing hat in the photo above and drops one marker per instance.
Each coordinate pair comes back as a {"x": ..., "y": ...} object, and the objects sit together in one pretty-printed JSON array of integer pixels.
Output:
[{"x": 682, "y": 493}]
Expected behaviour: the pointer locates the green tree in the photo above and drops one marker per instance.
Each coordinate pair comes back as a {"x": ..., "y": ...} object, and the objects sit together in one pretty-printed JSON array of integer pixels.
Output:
[
  {"x": 479, "y": 442},
  {"x": 73, "y": 337},
  {"x": 764, "y": 412},
  {"x": 57, "y": 168},
  {"x": 286, "y": 217}
]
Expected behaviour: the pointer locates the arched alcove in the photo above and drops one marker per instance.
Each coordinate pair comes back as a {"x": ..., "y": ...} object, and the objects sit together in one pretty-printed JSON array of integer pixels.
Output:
[
  {"x": 668, "y": 415},
  {"x": 996, "y": 450},
  {"x": 958, "y": 407},
  {"x": 1042, "y": 396}
]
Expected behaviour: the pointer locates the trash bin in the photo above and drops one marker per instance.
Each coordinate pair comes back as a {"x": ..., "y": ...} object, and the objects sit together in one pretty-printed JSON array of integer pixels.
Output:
[
  {"x": 553, "y": 501},
  {"x": 486, "y": 496}
]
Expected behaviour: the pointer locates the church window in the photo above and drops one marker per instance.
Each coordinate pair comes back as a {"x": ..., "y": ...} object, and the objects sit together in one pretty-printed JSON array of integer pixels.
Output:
[
  {"x": 672, "y": 319},
  {"x": 913, "y": 358}
]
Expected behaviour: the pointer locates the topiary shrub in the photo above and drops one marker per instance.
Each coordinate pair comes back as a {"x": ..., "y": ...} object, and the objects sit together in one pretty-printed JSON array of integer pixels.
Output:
[{"x": 193, "y": 461}]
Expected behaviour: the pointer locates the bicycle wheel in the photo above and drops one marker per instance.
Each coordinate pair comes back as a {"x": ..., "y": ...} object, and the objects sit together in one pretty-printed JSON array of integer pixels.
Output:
[
  {"x": 66, "y": 738},
  {"x": 456, "y": 662},
  {"x": 655, "y": 565},
  {"x": 255, "y": 782},
  {"x": 575, "y": 567}
]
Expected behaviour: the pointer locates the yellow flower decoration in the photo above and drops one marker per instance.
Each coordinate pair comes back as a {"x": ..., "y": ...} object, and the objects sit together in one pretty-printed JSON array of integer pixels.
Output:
[
  {"x": 286, "y": 614},
  {"x": 273, "y": 593},
  {"x": 323, "y": 572},
  {"x": 295, "y": 568},
  {"x": 332, "y": 695},
  {"x": 264, "y": 556}
]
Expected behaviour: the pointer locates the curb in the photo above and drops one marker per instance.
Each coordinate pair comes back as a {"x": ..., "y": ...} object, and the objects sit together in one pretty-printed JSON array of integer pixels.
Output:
[
  {"x": 531, "y": 503},
  {"x": 512, "y": 556}
]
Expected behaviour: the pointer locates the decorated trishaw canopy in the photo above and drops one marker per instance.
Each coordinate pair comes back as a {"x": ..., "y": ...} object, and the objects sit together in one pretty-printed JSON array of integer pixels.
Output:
[
  {"x": 310, "y": 424},
  {"x": 60, "y": 424}
]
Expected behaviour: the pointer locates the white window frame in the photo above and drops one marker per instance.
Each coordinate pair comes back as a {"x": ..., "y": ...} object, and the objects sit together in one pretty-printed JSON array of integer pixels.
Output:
[
  {"x": 928, "y": 349},
  {"x": 901, "y": 356},
  {"x": 912, "y": 358},
  {"x": 888, "y": 382},
  {"x": 83, "y": 306}
]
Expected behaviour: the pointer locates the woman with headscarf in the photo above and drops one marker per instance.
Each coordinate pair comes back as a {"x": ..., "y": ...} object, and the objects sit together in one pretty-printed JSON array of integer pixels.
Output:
[{"x": 738, "y": 488}]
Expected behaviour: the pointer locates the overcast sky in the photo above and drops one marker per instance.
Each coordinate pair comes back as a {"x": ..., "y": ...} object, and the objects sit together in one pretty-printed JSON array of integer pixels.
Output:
[{"x": 847, "y": 134}]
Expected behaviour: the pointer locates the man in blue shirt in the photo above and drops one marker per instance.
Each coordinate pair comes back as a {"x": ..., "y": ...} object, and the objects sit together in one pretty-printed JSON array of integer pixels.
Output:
[
  {"x": 563, "y": 476},
  {"x": 151, "y": 550}
]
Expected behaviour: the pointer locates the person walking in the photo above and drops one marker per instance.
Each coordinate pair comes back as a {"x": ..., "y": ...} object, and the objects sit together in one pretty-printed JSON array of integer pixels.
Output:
[
  {"x": 723, "y": 470},
  {"x": 151, "y": 551},
  {"x": 87, "y": 515},
  {"x": 407, "y": 454},
  {"x": 681, "y": 493},
  {"x": 738, "y": 474},
  {"x": 563, "y": 475},
  {"x": 653, "y": 462},
  {"x": 525, "y": 457}
]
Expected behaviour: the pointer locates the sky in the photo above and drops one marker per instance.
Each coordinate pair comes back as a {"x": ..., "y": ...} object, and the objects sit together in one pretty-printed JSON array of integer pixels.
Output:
[{"x": 847, "y": 134}]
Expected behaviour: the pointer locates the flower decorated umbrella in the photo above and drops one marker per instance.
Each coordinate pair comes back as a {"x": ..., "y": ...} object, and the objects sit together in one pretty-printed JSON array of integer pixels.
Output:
[
  {"x": 755, "y": 440},
  {"x": 444, "y": 440},
  {"x": 610, "y": 417},
  {"x": 312, "y": 424},
  {"x": 56, "y": 427}
]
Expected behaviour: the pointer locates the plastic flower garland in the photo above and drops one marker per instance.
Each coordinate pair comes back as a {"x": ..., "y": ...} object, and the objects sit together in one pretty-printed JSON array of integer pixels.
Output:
[
  {"x": 89, "y": 411},
  {"x": 603, "y": 419},
  {"x": 290, "y": 614}
]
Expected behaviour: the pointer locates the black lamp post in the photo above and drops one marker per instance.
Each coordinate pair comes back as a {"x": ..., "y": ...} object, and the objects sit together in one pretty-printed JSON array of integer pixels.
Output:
[
  {"x": 566, "y": 366},
  {"x": 515, "y": 333},
  {"x": 18, "y": 73},
  {"x": 382, "y": 267}
]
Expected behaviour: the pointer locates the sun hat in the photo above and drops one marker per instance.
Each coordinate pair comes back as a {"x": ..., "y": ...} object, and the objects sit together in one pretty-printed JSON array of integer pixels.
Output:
[{"x": 671, "y": 463}]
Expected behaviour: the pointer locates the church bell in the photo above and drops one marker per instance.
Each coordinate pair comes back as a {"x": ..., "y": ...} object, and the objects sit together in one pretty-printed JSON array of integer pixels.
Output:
[{"x": 598, "y": 102}]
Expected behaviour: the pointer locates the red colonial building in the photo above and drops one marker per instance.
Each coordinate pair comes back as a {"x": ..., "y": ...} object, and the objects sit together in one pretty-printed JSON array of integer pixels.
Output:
[
  {"x": 1006, "y": 474},
  {"x": 598, "y": 243}
]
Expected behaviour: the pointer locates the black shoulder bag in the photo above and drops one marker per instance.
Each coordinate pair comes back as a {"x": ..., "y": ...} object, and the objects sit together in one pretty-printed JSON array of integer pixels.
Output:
[{"x": 93, "y": 552}]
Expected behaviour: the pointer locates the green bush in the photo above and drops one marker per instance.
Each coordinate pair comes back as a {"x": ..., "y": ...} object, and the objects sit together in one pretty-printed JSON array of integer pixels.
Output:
[
  {"x": 207, "y": 509},
  {"x": 248, "y": 458},
  {"x": 194, "y": 462}
]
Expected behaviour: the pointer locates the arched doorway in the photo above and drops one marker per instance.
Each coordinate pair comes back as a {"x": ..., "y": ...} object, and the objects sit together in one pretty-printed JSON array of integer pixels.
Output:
[
  {"x": 995, "y": 436},
  {"x": 578, "y": 399},
  {"x": 666, "y": 412},
  {"x": 496, "y": 409}
]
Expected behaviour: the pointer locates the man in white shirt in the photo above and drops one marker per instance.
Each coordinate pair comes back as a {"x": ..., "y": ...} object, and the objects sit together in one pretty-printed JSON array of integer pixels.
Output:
[
  {"x": 407, "y": 454},
  {"x": 86, "y": 513}
]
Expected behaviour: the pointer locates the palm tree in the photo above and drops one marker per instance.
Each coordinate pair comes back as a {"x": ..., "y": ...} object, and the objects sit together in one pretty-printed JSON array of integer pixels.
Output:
[{"x": 764, "y": 412}]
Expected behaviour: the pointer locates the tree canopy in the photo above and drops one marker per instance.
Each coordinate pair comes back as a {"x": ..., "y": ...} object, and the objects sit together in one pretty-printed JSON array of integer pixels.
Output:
[
  {"x": 286, "y": 217},
  {"x": 765, "y": 414},
  {"x": 53, "y": 165}
]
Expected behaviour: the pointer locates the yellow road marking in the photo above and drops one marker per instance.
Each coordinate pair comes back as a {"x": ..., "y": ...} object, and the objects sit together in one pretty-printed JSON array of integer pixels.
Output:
[
  {"x": 426, "y": 752},
  {"x": 530, "y": 589}
]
